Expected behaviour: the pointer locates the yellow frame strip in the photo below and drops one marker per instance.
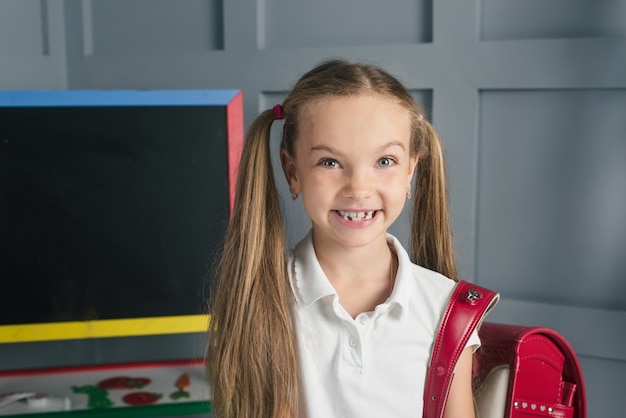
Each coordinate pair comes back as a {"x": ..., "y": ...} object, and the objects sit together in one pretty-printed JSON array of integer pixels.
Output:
[{"x": 103, "y": 328}]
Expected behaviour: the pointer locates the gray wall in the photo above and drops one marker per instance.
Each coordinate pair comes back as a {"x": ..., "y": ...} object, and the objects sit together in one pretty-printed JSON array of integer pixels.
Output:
[{"x": 529, "y": 96}]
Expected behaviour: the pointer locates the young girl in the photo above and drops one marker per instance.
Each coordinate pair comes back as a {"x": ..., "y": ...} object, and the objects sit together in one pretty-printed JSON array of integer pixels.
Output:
[{"x": 342, "y": 325}]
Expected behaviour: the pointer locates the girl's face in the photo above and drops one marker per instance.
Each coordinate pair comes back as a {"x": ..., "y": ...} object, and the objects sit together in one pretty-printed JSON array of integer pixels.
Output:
[{"x": 352, "y": 167}]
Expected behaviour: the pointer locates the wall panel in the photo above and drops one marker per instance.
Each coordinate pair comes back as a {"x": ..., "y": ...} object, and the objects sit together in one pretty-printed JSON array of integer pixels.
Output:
[
  {"x": 153, "y": 26},
  {"x": 27, "y": 21},
  {"x": 32, "y": 44},
  {"x": 288, "y": 24},
  {"x": 551, "y": 195},
  {"x": 535, "y": 19}
]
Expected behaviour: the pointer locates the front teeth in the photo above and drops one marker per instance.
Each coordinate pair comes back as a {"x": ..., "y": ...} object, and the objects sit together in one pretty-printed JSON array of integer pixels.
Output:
[{"x": 357, "y": 216}]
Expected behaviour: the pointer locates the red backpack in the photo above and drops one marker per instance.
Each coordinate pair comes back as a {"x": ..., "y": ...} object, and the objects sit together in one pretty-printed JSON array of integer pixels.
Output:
[{"x": 518, "y": 371}]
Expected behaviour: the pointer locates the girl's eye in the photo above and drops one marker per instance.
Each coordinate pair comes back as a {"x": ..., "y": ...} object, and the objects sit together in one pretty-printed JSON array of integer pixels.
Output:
[
  {"x": 386, "y": 162},
  {"x": 329, "y": 163}
]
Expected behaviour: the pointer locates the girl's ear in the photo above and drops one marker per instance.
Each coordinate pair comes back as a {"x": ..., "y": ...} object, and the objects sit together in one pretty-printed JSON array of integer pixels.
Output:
[{"x": 289, "y": 168}]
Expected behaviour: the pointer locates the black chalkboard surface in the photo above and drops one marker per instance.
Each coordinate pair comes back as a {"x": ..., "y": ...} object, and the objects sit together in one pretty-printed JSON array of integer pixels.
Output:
[{"x": 112, "y": 204}]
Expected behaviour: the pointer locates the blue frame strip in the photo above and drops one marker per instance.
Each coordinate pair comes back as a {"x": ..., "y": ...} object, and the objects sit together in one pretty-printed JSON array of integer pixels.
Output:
[{"x": 103, "y": 98}]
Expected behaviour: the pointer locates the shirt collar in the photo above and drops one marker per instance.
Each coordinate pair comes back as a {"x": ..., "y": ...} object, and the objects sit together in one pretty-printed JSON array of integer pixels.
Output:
[
  {"x": 308, "y": 279},
  {"x": 310, "y": 284},
  {"x": 404, "y": 277}
]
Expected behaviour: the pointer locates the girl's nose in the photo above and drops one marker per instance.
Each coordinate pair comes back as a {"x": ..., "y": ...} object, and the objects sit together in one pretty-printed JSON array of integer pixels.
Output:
[{"x": 359, "y": 184}]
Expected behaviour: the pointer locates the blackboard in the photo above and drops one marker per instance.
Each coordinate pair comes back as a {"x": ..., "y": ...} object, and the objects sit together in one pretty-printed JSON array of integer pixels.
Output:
[{"x": 113, "y": 204}]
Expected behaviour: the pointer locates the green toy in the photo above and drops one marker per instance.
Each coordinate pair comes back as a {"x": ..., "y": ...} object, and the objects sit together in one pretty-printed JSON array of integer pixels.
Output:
[{"x": 98, "y": 397}]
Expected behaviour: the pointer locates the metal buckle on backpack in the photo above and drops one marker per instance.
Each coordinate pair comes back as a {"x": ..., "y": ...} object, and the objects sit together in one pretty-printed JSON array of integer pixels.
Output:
[{"x": 473, "y": 296}]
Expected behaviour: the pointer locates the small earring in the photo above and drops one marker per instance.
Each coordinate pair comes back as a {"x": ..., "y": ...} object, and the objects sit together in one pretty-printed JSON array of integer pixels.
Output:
[
  {"x": 294, "y": 196},
  {"x": 408, "y": 195}
]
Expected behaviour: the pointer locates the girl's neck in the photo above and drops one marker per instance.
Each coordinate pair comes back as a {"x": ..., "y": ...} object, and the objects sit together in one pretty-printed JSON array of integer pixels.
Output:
[
  {"x": 334, "y": 257},
  {"x": 363, "y": 277}
]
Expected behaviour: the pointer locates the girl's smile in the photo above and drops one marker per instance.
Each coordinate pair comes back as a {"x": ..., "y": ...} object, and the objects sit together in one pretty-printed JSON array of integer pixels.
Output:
[
  {"x": 357, "y": 219},
  {"x": 357, "y": 215}
]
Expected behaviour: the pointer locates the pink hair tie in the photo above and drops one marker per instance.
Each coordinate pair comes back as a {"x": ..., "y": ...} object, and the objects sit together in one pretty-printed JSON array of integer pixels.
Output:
[{"x": 278, "y": 112}]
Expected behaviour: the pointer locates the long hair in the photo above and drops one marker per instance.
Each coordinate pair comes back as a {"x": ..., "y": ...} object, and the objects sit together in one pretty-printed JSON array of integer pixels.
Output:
[{"x": 252, "y": 357}]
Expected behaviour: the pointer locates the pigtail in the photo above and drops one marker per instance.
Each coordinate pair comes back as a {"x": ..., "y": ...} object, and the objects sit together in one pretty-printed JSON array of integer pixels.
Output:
[
  {"x": 431, "y": 231},
  {"x": 251, "y": 354}
]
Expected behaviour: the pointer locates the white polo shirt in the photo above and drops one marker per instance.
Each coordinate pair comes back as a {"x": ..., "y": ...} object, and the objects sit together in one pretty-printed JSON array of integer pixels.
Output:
[{"x": 374, "y": 365}]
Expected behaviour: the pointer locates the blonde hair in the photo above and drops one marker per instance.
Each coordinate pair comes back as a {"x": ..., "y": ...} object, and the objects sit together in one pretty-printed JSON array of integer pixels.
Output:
[{"x": 252, "y": 358}]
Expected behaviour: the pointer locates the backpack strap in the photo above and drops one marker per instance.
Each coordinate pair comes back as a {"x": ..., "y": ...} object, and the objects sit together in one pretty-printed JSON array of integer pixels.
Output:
[{"x": 466, "y": 309}]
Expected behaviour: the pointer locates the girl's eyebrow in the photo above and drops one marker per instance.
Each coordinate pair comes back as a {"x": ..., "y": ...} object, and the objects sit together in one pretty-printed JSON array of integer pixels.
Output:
[
  {"x": 325, "y": 148},
  {"x": 330, "y": 149},
  {"x": 393, "y": 144}
]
